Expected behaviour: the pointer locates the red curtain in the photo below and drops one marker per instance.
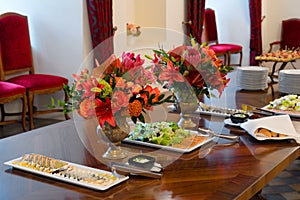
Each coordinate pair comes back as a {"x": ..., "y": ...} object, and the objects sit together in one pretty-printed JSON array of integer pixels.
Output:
[
  {"x": 255, "y": 38},
  {"x": 195, "y": 17},
  {"x": 101, "y": 27}
]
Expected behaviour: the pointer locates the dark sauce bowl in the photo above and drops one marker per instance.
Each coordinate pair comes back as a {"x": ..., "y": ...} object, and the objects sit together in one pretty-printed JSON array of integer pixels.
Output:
[
  {"x": 238, "y": 118},
  {"x": 142, "y": 161}
]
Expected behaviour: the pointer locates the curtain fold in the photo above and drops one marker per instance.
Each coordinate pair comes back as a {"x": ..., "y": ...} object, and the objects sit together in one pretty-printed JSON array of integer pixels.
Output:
[
  {"x": 255, "y": 35},
  {"x": 101, "y": 27},
  {"x": 195, "y": 17}
]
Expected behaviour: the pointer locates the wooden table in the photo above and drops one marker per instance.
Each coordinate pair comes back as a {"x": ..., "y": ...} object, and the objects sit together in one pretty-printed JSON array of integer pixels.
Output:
[{"x": 233, "y": 172}]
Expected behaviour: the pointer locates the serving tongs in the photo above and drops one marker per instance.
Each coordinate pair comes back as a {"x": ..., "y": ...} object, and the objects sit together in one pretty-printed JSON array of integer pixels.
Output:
[
  {"x": 257, "y": 110},
  {"x": 133, "y": 170},
  {"x": 212, "y": 133}
]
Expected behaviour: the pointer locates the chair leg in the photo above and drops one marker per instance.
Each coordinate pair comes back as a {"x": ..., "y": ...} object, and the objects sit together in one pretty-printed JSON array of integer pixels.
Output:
[
  {"x": 30, "y": 110},
  {"x": 225, "y": 59},
  {"x": 24, "y": 102},
  {"x": 2, "y": 112},
  {"x": 241, "y": 58},
  {"x": 228, "y": 58},
  {"x": 240, "y": 61}
]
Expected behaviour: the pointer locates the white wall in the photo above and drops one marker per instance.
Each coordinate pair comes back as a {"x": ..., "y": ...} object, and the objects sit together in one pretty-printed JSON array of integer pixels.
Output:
[{"x": 159, "y": 20}]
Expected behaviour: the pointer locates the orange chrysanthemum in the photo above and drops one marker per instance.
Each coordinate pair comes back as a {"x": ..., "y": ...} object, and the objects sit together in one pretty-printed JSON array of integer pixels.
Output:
[{"x": 135, "y": 108}]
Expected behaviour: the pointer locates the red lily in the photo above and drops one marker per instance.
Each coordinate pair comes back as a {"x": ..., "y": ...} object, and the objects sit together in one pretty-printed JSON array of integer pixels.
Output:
[{"x": 104, "y": 112}]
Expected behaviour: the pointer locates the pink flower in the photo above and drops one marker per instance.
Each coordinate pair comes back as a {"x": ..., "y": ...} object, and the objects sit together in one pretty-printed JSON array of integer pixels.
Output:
[
  {"x": 170, "y": 74},
  {"x": 121, "y": 83},
  {"x": 87, "y": 108},
  {"x": 145, "y": 76},
  {"x": 129, "y": 61},
  {"x": 119, "y": 100},
  {"x": 193, "y": 57}
]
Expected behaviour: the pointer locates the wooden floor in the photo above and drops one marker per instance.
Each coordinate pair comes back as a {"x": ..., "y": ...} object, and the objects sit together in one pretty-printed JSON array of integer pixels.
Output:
[
  {"x": 286, "y": 186},
  {"x": 13, "y": 129}
]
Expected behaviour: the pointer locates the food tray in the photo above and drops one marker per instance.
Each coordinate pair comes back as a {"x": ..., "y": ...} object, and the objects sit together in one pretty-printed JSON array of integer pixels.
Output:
[
  {"x": 282, "y": 112},
  {"x": 218, "y": 111},
  {"x": 170, "y": 148},
  {"x": 116, "y": 181}
]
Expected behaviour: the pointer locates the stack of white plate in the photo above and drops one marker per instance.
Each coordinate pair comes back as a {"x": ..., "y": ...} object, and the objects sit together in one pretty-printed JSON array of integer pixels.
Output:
[
  {"x": 289, "y": 81},
  {"x": 252, "y": 77}
]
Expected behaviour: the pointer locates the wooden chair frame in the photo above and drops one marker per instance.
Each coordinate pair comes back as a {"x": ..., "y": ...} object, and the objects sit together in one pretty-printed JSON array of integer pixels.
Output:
[{"x": 23, "y": 113}]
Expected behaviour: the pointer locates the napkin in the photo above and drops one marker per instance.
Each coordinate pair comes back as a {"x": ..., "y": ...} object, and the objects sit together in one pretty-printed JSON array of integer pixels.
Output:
[{"x": 279, "y": 124}]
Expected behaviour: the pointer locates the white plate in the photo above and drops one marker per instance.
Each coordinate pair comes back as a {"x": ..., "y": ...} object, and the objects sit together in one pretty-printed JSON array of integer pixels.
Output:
[
  {"x": 229, "y": 122},
  {"x": 282, "y": 112},
  {"x": 290, "y": 72},
  {"x": 218, "y": 111},
  {"x": 169, "y": 148},
  {"x": 73, "y": 181},
  {"x": 252, "y": 68}
]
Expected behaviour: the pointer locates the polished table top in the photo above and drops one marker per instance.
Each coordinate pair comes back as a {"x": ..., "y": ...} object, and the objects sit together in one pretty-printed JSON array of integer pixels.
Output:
[{"x": 238, "y": 171}]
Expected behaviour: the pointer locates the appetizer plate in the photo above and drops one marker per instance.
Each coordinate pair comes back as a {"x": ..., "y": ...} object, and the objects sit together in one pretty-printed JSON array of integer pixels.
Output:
[
  {"x": 217, "y": 111},
  {"x": 282, "y": 112},
  {"x": 170, "y": 148},
  {"x": 108, "y": 174}
]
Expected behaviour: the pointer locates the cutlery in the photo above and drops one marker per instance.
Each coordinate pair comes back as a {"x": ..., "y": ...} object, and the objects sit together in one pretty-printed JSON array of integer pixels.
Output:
[
  {"x": 228, "y": 137},
  {"x": 258, "y": 110}
]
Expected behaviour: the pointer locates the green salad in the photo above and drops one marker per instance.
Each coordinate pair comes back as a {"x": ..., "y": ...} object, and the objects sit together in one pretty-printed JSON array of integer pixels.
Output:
[
  {"x": 289, "y": 102},
  {"x": 162, "y": 133}
]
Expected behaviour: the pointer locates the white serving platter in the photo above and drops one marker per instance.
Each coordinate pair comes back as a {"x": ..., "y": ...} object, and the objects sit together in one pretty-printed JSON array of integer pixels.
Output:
[
  {"x": 282, "y": 112},
  {"x": 170, "y": 148},
  {"x": 218, "y": 111},
  {"x": 68, "y": 180}
]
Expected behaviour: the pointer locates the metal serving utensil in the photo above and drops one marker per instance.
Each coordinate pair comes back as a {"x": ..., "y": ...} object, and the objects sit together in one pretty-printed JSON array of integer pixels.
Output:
[
  {"x": 250, "y": 108},
  {"x": 228, "y": 137},
  {"x": 207, "y": 148}
]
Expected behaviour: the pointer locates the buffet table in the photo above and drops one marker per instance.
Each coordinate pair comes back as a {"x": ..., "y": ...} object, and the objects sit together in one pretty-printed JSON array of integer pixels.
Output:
[
  {"x": 282, "y": 57},
  {"x": 238, "y": 171}
]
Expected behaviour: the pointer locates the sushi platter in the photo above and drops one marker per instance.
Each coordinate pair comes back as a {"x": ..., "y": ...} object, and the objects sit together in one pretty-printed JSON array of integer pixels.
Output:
[{"x": 66, "y": 171}]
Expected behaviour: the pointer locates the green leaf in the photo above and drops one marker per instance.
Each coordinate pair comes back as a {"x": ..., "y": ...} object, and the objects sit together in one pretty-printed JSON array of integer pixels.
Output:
[
  {"x": 160, "y": 97},
  {"x": 52, "y": 101},
  {"x": 149, "y": 57},
  {"x": 134, "y": 119},
  {"x": 141, "y": 118}
]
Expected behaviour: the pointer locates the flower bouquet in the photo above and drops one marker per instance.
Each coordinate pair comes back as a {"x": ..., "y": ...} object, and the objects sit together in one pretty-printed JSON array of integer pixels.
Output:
[
  {"x": 124, "y": 88},
  {"x": 115, "y": 91},
  {"x": 199, "y": 65}
]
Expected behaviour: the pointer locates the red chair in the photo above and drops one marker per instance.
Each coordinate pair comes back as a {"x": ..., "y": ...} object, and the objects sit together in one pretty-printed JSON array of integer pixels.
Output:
[
  {"x": 10, "y": 92},
  {"x": 16, "y": 58},
  {"x": 210, "y": 36},
  {"x": 290, "y": 35}
]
